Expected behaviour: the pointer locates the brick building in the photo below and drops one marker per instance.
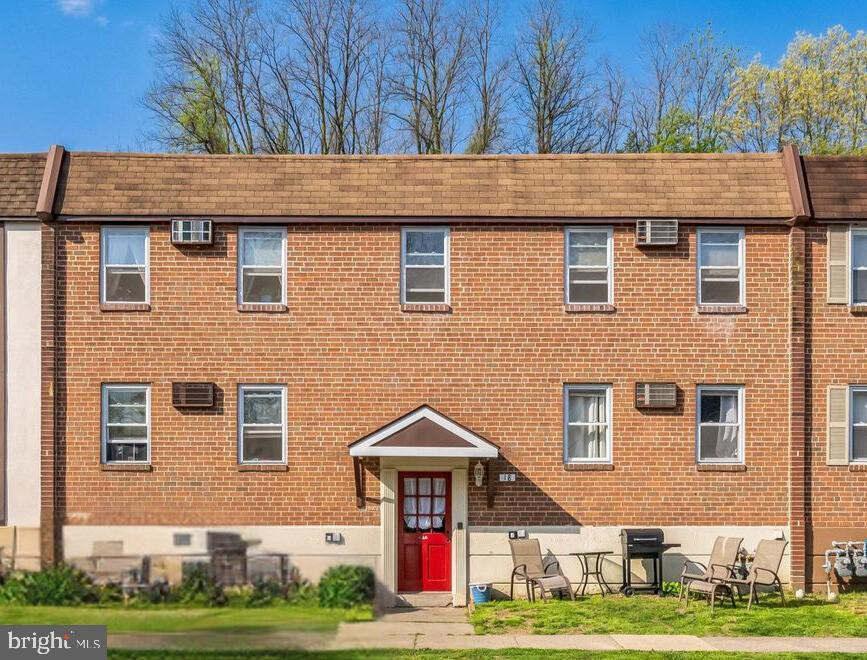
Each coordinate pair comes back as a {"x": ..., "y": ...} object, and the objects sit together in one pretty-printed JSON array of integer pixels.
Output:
[{"x": 413, "y": 356}]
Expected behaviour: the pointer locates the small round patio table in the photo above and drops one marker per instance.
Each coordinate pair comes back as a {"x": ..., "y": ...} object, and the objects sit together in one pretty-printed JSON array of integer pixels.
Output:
[{"x": 593, "y": 558}]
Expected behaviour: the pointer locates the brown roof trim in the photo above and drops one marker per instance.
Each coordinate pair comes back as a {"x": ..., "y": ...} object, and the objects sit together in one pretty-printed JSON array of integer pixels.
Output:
[
  {"x": 793, "y": 166},
  {"x": 48, "y": 189},
  {"x": 418, "y": 219}
]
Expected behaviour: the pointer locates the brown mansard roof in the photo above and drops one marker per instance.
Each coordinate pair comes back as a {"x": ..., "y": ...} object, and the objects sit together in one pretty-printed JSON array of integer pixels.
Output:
[
  {"x": 20, "y": 178},
  {"x": 506, "y": 186},
  {"x": 837, "y": 186}
]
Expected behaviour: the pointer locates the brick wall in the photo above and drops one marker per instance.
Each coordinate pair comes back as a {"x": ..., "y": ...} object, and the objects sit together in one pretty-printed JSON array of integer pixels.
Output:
[
  {"x": 837, "y": 355},
  {"x": 352, "y": 362}
]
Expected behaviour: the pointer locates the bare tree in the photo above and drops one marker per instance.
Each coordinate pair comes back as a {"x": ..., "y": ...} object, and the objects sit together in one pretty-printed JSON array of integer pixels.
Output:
[
  {"x": 555, "y": 90},
  {"x": 661, "y": 88},
  {"x": 610, "y": 109},
  {"x": 332, "y": 41},
  {"x": 431, "y": 61},
  {"x": 488, "y": 80},
  {"x": 686, "y": 91}
]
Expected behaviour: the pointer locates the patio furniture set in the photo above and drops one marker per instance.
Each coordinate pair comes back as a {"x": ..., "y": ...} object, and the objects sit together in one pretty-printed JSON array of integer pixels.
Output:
[{"x": 726, "y": 573}]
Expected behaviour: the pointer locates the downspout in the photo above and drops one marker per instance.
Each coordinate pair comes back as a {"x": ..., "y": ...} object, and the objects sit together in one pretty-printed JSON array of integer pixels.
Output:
[{"x": 50, "y": 526}]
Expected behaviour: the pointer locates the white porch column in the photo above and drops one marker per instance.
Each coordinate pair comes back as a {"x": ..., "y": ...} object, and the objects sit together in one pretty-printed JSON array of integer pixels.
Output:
[
  {"x": 387, "y": 490},
  {"x": 459, "y": 537}
]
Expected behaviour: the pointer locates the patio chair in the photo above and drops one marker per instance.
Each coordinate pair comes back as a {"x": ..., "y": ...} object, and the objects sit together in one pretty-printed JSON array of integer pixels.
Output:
[
  {"x": 763, "y": 571},
  {"x": 720, "y": 565},
  {"x": 535, "y": 572}
]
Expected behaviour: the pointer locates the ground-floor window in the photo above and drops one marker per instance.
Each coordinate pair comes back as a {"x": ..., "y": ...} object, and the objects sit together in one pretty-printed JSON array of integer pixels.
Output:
[
  {"x": 262, "y": 423},
  {"x": 858, "y": 433},
  {"x": 126, "y": 423},
  {"x": 720, "y": 434},
  {"x": 587, "y": 436}
]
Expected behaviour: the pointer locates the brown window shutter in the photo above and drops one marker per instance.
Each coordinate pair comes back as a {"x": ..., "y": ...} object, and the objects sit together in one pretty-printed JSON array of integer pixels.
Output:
[
  {"x": 838, "y": 264},
  {"x": 838, "y": 425}
]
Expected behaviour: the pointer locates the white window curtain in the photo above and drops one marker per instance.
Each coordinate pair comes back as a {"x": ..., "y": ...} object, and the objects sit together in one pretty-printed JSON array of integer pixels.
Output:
[
  {"x": 587, "y": 425},
  {"x": 125, "y": 264},
  {"x": 720, "y": 426},
  {"x": 262, "y": 258}
]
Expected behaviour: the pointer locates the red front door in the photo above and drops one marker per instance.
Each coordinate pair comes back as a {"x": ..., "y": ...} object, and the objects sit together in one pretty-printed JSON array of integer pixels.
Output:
[{"x": 424, "y": 551}]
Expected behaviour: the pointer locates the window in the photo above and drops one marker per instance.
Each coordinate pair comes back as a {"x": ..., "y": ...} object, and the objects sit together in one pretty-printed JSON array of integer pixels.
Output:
[
  {"x": 720, "y": 424},
  {"x": 858, "y": 432},
  {"x": 721, "y": 266},
  {"x": 126, "y": 423},
  {"x": 588, "y": 424},
  {"x": 588, "y": 265},
  {"x": 859, "y": 266},
  {"x": 125, "y": 271},
  {"x": 262, "y": 422},
  {"x": 425, "y": 265},
  {"x": 262, "y": 266}
]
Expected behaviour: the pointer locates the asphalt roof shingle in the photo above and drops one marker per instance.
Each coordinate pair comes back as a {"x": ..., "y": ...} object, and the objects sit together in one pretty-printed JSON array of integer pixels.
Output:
[
  {"x": 837, "y": 186},
  {"x": 517, "y": 186},
  {"x": 20, "y": 178}
]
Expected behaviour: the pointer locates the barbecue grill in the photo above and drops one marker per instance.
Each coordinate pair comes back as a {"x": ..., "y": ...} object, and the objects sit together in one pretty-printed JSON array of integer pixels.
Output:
[{"x": 643, "y": 544}]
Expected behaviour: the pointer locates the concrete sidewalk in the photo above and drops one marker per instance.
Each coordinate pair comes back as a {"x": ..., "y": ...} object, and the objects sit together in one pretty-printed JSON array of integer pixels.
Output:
[{"x": 447, "y": 628}]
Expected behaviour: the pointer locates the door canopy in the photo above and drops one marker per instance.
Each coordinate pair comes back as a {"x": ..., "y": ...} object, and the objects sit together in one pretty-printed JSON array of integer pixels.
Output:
[{"x": 424, "y": 432}]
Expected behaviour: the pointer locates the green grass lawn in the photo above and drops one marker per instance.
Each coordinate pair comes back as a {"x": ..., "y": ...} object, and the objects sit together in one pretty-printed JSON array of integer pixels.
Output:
[
  {"x": 643, "y": 615},
  {"x": 178, "y": 619},
  {"x": 510, "y": 654}
]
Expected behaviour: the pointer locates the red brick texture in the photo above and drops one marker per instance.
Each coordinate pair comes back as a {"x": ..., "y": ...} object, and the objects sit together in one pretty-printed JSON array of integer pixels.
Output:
[
  {"x": 353, "y": 361},
  {"x": 837, "y": 355},
  {"x": 51, "y": 475}
]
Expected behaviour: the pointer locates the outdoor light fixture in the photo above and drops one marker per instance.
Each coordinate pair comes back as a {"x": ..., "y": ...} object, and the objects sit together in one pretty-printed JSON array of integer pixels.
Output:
[{"x": 479, "y": 474}]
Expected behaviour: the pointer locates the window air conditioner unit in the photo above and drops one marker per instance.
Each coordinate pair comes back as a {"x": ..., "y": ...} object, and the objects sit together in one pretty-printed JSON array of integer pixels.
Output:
[
  {"x": 192, "y": 232},
  {"x": 655, "y": 395},
  {"x": 192, "y": 395},
  {"x": 656, "y": 232}
]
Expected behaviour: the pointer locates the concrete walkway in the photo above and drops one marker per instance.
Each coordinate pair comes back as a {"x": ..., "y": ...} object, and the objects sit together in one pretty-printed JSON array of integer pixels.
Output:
[{"x": 446, "y": 628}]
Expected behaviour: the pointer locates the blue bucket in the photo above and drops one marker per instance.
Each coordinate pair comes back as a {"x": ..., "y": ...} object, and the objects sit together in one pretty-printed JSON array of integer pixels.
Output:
[{"x": 481, "y": 593}]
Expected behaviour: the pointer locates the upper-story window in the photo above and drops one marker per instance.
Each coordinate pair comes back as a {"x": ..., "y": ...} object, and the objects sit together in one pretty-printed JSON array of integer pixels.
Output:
[
  {"x": 720, "y": 424},
  {"x": 262, "y": 265},
  {"x": 858, "y": 432},
  {"x": 262, "y": 423},
  {"x": 721, "y": 266},
  {"x": 126, "y": 423},
  {"x": 588, "y": 424},
  {"x": 589, "y": 260},
  {"x": 425, "y": 265},
  {"x": 125, "y": 265},
  {"x": 859, "y": 266}
]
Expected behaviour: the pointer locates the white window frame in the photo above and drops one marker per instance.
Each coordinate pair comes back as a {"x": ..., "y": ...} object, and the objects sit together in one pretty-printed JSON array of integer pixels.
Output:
[
  {"x": 712, "y": 389},
  {"x": 567, "y": 266},
  {"x": 245, "y": 387},
  {"x": 103, "y": 254},
  {"x": 854, "y": 229},
  {"x": 609, "y": 445},
  {"x": 850, "y": 424},
  {"x": 447, "y": 262},
  {"x": 104, "y": 424},
  {"x": 742, "y": 271},
  {"x": 240, "y": 275}
]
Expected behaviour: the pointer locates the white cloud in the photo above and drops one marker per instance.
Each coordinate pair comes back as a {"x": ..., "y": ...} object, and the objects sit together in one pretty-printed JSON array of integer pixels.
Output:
[
  {"x": 76, "y": 7},
  {"x": 102, "y": 21}
]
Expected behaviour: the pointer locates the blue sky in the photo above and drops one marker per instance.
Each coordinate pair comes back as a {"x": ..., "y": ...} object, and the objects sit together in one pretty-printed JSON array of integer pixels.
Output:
[{"x": 73, "y": 71}]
